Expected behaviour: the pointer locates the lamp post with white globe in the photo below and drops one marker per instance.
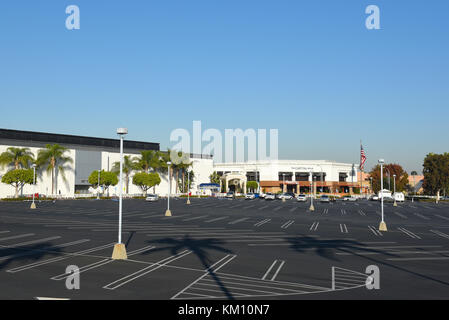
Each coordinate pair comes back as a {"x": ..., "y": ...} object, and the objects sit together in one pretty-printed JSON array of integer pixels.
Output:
[
  {"x": 383, "y": 225},
  {"x": 119, "y": 248}
]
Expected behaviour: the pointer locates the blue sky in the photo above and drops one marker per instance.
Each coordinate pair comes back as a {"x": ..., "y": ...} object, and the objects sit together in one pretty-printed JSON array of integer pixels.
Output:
[{"x": 308, "y": 68}]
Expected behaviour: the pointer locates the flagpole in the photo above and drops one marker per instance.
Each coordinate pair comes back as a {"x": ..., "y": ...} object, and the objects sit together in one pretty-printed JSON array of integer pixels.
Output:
[{"x": 361, "y": 169}]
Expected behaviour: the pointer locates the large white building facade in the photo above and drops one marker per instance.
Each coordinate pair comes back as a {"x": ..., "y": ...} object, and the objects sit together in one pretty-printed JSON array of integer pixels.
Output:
[
  {"x": 88, "y": 154},
  {"x": 293, "y": 175}
]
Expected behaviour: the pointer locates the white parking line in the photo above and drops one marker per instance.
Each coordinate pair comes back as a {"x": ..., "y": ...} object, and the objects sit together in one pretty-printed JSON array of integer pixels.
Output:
[
  {"x": 400, "y": 215},
  {"x": 293, "y": 209},
  {"x": 238, "y": 220},
  {"x": 314, "y": 226},
  {"x": 122, "y": 281},
  {"x": 441, "y": 234},
  {"x": 44, "y": 249},
  {"x": 287, "y": 224},
  {"x": 343, "y": 228},
  {"x": 421, "y": 216},
  {"x": 442, "y": 217},
  {"x": 262, "y": 222},
  {"x": 66, "y": 256},
  {"x": 362, "y": 213},
  {"x": 280, "y": 263},
  {"x": 216, "y": 219},
  {"x": 3, "y": 232},
  {"x": 375, "y": 231},
  {"x": 409, "y": 233},
  {"x": 195, "y": 218},
  {"x": 17, "y": 237},
  {"x": 214, "y": 268},
  {"x": 101, "y": 263},
  {"x": 343, "y": 211}
]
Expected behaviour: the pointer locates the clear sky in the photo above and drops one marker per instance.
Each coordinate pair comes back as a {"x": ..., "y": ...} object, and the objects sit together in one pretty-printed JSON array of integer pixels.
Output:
[{"x": 308, "y": 68}]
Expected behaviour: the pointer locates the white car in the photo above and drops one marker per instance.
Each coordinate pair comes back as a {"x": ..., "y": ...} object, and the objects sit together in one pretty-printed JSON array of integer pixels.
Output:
[
  {"x": 152, "y": 197},
  {"x": 270, "y": 196},
  {"x": 250, "y": 196},
  {"x": 399, "y": 197},
  {"x": 286, "y": 196},
  {"x": 230, "y": 195},
  {"x": 301, "y": 198}
]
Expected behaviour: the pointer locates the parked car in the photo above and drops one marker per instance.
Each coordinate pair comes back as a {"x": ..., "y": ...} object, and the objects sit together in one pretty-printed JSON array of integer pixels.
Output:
[
  {"x": 152, "y": 197},
  {"x": 286, "y": 196},
  {"x": 325, "y": 198},
  {"x": 399, "y": 197},
  {"x": 230, "y": 195},
  {"x": 270, "y": 196},
  {"x": 250, "y": 196},
  {"x": 349, "y": 198},
  {"x": 261, "y": 195},
  {"x": 301, "y": 198}
]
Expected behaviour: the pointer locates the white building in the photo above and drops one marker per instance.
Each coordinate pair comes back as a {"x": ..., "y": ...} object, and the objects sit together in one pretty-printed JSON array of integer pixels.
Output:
[
  {"x": 88, "y": 154},
  {"x": 295, "y": 175}
]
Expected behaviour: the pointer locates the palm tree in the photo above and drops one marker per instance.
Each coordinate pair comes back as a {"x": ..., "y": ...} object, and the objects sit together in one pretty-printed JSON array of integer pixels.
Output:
[
  {"x": 148, "y": 159},
  {"x": 129, "y": 165},
  {"x": 17, "y": 157},
  {"x": 54, "y": 159}
]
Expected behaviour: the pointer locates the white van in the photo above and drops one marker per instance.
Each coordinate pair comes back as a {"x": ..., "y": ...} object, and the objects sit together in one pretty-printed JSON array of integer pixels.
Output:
[
  {"x": 386, "y": 194},
  {"x": 399, "y": 197}
]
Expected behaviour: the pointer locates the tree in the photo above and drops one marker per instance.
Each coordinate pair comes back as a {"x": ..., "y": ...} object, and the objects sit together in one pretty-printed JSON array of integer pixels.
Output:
[
  {"x": 214, "y": 178},
  {"x": 129, "y": 165},
  {"x": 107, "y": 179},
  {"x": 189, "y": 179},
  {"x": 436, "y": 173},
  {"x": 146, "y": 180},
  {"x": 394, "y": 169},
  {"x": 53, "y": 158},
  {"x": 16, "y": 157},
  {"x": 252, "y": 185},
  {"x": 18, "y": 178},
  {"x": 148, "y": 159}
]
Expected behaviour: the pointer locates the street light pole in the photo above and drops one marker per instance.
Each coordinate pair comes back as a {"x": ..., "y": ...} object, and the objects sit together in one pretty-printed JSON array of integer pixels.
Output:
[
  {"x": 394, "y": 188},
  {"x": 33, "y": 205},
  {"x": 383, "y": 225},
  {"x": 98, "y": 186},
  {"x": 168, "y": 212},
  {"x": 312, "y": 208},
  {"x": 119, "y": 252},
  {"x": 283, "y": 187},
  {"x": 188, "y": 186}
]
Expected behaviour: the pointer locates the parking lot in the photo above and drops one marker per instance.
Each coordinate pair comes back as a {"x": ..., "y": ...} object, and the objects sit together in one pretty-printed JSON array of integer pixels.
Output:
[{"x": 224, "y": 249}]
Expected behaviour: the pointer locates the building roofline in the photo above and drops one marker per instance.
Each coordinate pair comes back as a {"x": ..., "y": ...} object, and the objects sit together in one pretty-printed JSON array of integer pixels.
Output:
[{"x": 66, "y": 139}]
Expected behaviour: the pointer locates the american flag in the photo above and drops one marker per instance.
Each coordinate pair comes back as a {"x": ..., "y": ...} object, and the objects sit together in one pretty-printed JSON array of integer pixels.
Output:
[{"x": 362, "y": 158}]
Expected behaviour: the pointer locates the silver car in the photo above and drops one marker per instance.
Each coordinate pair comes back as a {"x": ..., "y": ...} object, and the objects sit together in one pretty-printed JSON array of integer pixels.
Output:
[
  {"x": 152, "y": 197},
  {"x": 301, "y": 198},
  {"x": 270, "y": 196}
]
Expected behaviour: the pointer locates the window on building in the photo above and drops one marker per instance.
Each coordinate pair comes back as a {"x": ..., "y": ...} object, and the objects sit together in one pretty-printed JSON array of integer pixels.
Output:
[
  {"x": 253, "y": 176},
  {"x": 302, "y": 176},
  {"x": 342, "y": 176},
  {"x": 288, "y": 176}
]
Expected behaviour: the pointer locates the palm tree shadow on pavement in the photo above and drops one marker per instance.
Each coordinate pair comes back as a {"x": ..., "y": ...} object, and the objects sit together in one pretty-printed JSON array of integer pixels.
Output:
[
  {"x": 28, "y": 254},
  {"x": 200, "y": 248},
  {"x": 326, "y": 248}
]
